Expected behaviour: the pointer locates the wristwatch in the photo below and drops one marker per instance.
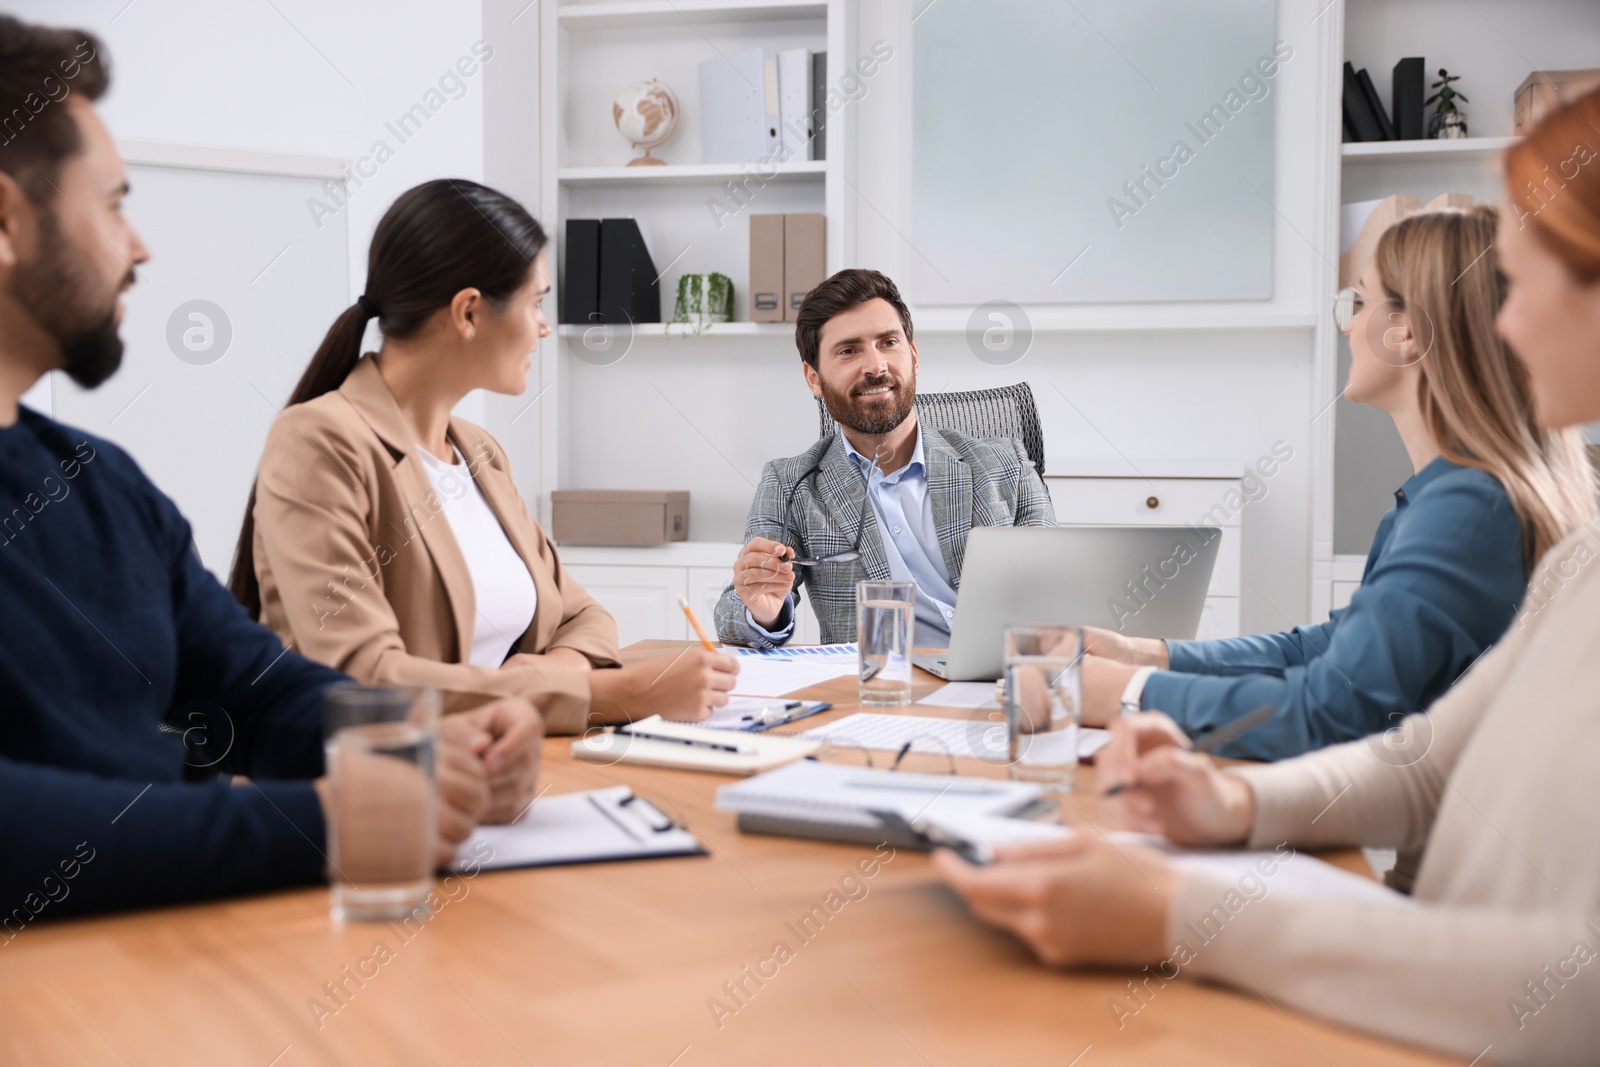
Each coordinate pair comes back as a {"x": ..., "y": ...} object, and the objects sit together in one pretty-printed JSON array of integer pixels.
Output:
[{"x": 1133, "y": 692}]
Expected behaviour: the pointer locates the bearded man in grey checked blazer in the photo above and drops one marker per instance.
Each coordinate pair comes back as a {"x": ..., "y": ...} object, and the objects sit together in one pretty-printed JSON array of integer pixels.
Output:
[{"x": 895, "y": 500}]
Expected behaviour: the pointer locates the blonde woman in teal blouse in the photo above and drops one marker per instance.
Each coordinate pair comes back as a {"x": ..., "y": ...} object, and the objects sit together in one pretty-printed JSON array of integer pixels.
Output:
[{"x": 1491, "y": 493}]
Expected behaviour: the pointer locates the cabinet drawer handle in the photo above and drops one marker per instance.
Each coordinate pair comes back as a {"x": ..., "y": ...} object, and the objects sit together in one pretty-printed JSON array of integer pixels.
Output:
[{"x": 1152, "y": 502}]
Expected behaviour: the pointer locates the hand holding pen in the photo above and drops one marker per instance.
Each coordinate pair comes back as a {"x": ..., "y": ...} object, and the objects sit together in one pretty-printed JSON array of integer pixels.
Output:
[{"x": 1161, "y": 784}]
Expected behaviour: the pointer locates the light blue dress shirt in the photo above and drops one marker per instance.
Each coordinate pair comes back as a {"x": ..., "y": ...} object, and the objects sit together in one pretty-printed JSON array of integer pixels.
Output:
[{"x": 904, "y": 512}]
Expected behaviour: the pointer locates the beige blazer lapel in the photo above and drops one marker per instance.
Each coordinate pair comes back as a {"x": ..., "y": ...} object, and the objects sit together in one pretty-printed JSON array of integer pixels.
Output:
[{"x": 370, "y": 396}]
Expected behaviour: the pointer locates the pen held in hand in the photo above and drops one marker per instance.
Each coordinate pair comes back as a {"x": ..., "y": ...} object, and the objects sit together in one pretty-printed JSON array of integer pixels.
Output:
[{"x": 1213, "y": 740}]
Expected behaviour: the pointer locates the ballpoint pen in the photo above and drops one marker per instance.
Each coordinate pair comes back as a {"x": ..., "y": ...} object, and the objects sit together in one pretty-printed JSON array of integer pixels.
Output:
[
  {"x": 908, "y": 783},
  {"x": 763, "y": 717},
  {"x": 695, "y": 741}
]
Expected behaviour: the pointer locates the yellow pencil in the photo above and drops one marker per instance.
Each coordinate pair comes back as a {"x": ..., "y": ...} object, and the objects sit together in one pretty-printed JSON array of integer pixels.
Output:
[{"x": 699, "y": 630}]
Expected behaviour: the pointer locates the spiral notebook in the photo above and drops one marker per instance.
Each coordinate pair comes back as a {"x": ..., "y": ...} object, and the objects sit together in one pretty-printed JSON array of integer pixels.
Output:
[{"x": 835, "y": 802}]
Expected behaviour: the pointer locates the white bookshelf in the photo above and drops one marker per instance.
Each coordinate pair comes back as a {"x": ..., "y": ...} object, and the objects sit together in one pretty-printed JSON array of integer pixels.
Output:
[
  {"x": 588, "y": 52},
  {"x": 1493, "y": 45},
  {"x": 689, "y": 174},
  {"x": 679, "y": 330},
  {"x": 1465, "y": 148},
  {"x": 655, "y": 13}
]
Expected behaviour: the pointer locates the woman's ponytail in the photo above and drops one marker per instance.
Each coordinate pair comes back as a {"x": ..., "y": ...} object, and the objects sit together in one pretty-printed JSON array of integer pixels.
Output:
[{"x": 336, "y": 357}]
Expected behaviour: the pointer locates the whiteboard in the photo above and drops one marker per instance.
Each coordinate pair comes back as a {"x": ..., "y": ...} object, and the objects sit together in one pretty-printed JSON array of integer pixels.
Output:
[
  {"x": 200, "y": 384},
  {"x": 1046, "y": 166}
]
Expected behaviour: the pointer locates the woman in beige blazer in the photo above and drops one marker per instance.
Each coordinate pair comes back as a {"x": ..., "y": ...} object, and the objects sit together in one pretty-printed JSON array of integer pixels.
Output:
[
  {"x": 1490, "y": 796},
  {"x": 386, "y": 538}
]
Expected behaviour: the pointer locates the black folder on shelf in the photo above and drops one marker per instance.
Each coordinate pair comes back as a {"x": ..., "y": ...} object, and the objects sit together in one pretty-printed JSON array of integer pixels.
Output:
[
  {"x": 1371, "y": 93},
  {"x": 630, "y": 291},
  {"x": 819, "y": 107},
  {"x": 1357, "y": 110},
  {"x": 1407, "y": 99},
  {"x": 580, "y": 276}
]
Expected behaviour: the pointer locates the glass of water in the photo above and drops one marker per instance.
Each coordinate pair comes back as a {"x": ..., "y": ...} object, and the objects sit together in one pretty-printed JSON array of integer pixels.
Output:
[
  {"x": 383, "y": 828},
  {"x": 1043, "y": 703},
  {"x": 885, "y": 621}
]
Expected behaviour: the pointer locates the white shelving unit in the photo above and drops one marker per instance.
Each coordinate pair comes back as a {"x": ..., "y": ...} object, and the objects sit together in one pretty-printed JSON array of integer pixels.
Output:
[
  {"x": 1473, "y": 148},
  {"x": 655, "y": 13},
  {"x": 688, "y": 174},
  {"x": 1493, "y": 45},
  {"x": 679, "y": 330},
  {"x": 589, "y": 51}
]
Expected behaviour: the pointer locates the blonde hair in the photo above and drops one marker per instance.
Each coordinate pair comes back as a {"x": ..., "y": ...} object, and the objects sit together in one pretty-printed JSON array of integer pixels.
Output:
[{"x": 1440, "y": 268}]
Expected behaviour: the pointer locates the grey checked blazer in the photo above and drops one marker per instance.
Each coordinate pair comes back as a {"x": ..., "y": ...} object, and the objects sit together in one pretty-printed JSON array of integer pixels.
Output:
[{"x": 971, "y": 482}]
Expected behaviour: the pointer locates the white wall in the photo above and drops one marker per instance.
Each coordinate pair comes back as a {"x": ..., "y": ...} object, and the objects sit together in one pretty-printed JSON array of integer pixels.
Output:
[
  {"x": 1155, "y": 395},
  {"x": 295, "y": 76}
]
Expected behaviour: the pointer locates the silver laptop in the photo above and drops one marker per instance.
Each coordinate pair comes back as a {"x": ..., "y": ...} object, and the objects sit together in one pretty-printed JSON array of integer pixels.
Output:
[{"x": 1142, "y": 581}]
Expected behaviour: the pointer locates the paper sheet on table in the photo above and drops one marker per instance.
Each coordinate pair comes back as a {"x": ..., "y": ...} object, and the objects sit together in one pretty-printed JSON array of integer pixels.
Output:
[
  {"x": 1289, "y": 872},
  {"x": 1292, "y": 872},
  {"x": 763, "y": 677},
  {"x": 799, "y": 652},
  {"x": 962, "y": 695},
  {"x": 981, "y": 738}
]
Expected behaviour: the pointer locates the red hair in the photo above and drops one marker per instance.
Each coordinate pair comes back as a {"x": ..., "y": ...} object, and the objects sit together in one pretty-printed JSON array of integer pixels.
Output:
[{"x": 1553, "y": 184}]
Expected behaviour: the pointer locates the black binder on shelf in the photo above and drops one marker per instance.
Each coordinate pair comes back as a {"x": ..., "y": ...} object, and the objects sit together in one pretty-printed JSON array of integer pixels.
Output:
[
  {"x": 1371, "y": 94},
  {"x": 1357, "y": 111},
  {"x": 819, "y": 107},
  {"x": 580, "y": 277},
  {"x": 1407, "y": 98},
  {"x": 630, "y": 291}
]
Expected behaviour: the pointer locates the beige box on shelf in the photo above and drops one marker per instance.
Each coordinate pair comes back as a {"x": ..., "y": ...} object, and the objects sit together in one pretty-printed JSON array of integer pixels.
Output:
[
  {"x": 624, "y": 517},
  {"x": 1544, "y": 90},
  {"x": 766, "y": 268},
  {"x": 804, "y": 259}
]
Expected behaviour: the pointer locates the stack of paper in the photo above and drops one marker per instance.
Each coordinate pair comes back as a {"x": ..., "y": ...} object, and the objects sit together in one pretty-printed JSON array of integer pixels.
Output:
[{"x": 836, "y": 802}]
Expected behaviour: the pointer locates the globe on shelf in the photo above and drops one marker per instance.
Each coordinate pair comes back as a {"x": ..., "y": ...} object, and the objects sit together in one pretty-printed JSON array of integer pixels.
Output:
[{"x": 646, "y": 113}]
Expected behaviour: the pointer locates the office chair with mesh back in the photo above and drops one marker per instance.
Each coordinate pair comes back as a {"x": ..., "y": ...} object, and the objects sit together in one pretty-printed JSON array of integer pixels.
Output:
[{"x": 1008, "y": 411}]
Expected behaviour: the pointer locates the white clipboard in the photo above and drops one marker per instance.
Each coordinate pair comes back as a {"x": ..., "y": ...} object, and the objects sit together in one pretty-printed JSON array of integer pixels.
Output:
[{"x": 597, "y": 826}]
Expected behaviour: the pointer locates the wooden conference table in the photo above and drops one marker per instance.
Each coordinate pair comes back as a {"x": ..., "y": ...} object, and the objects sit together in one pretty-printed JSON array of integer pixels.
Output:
[{"x": 617, "y": 964}]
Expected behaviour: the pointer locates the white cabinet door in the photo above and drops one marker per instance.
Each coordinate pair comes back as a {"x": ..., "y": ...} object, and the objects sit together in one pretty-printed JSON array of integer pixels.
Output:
[
  {"x": 705, "y": 588},
  {"x": 1146, "y": 502},
  {"x": 1218, "y": 618},
  {"x": 1167, "y": 502},
  {"x": 644, "y": 600},
  {"x": 1342, "y": 592}
]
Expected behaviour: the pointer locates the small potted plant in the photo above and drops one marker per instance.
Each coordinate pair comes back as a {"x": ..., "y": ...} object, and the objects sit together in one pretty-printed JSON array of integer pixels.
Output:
[
  {"x": 1449, "y": 121},
  {"x": 703, "y": 299}
]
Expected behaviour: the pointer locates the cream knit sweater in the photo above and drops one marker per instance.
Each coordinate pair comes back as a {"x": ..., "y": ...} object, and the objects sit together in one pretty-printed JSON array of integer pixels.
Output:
[{"x": 1493, "y": 799}]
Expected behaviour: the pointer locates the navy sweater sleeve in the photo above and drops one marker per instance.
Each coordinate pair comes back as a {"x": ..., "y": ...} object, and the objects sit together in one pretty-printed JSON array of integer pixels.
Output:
[
  {"x": 1439, "y": 594},
  {"x": 94, "y": 809}
]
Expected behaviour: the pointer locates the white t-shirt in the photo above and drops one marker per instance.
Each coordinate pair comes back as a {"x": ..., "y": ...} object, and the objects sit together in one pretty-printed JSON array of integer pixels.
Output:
[{"x": 503, "y": 591}]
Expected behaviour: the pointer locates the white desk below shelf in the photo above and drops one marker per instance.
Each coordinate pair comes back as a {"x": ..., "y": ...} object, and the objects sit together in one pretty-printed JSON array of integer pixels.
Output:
[
  {"x": 1162, "y": 492},
  {"x": 641, "y": 586}
]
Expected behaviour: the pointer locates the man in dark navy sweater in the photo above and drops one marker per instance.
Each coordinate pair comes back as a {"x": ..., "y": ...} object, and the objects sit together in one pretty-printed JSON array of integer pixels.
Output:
[{"x": 110, "y": 628}]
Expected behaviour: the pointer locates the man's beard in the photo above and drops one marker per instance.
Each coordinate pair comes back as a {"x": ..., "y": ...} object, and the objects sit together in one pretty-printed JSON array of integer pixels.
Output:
[
  {"x": 62, "y": 295},
  {"x": 873, "y": 418}
]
